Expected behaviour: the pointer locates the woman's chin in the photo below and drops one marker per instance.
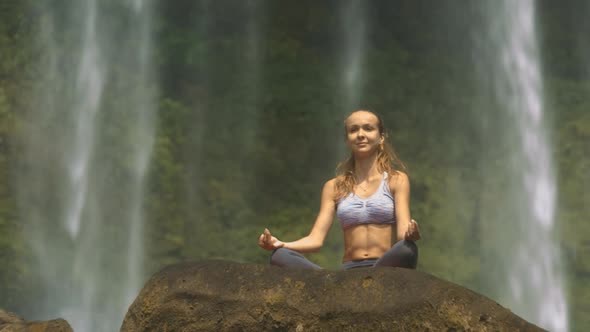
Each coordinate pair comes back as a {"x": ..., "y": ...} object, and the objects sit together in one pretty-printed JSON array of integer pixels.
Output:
[{"x": 363, "y": 153}]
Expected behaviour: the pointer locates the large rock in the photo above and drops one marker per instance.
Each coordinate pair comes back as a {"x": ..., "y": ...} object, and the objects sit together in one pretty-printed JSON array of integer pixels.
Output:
[
  {"x": 10, "y": 322},
  {"x": 224, "y": 296}
]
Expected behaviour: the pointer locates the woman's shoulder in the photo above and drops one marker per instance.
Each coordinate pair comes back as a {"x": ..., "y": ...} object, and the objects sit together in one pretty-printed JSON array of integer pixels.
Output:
[
  {"x": 331, "y": 183},
  {"x": 398, "y": 179},
  {"x": 329, "y": 189}
]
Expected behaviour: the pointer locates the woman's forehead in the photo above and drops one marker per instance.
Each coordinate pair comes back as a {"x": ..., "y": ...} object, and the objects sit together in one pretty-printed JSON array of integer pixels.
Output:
[{"x": 362, "y": 117}]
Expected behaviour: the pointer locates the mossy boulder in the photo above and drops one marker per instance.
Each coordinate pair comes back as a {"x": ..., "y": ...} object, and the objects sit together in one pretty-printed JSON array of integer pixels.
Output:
[
  {"x": 10, "y": 322},
  {"x": 226, "y": 296}
]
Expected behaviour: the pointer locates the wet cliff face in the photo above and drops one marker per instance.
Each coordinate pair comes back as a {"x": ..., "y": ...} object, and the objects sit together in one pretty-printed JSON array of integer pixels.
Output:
[{"x": 218, "y": 295}]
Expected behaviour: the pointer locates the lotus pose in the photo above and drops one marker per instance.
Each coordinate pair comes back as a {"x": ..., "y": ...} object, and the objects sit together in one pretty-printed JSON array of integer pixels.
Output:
[{"x": 370, "y": 196}]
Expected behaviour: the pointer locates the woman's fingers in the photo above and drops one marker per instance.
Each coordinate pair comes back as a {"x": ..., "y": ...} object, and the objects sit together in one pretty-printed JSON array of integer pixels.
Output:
[
  {"x": 261, "y": 241},
  {"x": 411, "y": 228},
  {"x": 264, "y": 240},
  {"x": 416, "y": 230},
  {"x": 269, "y": 242},
  {"x": 413, "y": 232}
]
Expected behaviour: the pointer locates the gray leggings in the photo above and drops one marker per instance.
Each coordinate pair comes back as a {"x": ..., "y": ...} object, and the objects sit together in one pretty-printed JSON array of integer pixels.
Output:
[{"x": 403, "y": 254}]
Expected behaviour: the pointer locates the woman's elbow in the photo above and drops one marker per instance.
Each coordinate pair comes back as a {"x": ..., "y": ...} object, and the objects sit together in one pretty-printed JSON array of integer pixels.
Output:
[
  {"x": 316, "y": 242},
  {"x": 316, "y": 245},
  {"x": 316, "y": 248}
]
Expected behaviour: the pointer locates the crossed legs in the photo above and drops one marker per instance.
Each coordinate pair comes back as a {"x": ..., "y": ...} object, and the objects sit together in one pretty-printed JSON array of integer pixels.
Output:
[{"x": 403, "y": 253}]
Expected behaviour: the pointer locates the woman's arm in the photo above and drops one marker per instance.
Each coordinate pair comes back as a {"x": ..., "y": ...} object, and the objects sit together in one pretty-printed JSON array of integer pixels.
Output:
[
  {"x": 407, "y": 229},
  {"x": 315, "y": 239}
]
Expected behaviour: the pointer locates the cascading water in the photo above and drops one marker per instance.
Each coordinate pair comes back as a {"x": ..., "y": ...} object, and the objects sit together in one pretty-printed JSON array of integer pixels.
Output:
[
  {"x": 354, "y": 28},
  {"x": 250, "y": 76},
  {"x": 353, "y": 31},
  {"x": 523, "y": 230},
  {"x": 87, "y": 145}
]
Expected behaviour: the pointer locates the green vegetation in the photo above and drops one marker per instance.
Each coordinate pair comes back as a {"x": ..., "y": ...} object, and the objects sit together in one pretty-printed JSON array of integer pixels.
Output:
[{"x": 239, "y": 150}]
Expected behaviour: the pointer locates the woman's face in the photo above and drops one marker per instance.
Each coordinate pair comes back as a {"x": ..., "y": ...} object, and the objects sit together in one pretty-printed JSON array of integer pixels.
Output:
[{"x": 362, "y": 133}]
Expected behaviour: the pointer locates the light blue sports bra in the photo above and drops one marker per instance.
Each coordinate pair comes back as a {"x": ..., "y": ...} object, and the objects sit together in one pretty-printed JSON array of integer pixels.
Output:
[{"x": 378, "y": 208}]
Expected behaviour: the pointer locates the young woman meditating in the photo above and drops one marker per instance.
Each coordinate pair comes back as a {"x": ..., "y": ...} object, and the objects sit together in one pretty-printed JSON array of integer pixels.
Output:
[{"x": 371, "y": 198}]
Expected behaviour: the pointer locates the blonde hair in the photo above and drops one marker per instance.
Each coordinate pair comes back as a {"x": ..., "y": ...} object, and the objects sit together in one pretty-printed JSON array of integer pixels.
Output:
[{"x": 387, "y": 161}]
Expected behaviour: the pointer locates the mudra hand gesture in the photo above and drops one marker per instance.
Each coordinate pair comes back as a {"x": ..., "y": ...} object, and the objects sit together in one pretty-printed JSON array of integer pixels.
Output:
[
  {"x": 269, "y": 242},
  {"x": 413, "y": 231}
]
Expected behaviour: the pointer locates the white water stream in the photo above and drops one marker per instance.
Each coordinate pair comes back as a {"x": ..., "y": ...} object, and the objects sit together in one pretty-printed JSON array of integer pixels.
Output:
[
  {"x": 87, "y": 146},
  {"x": 354, "y": 28},
  {"x": 534, "y": 287}
]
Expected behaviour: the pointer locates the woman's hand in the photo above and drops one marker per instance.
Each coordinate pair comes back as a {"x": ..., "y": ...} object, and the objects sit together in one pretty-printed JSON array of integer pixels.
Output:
[
  {"x": 269, "y": 242},
  {"x": 413, "y": 232}
]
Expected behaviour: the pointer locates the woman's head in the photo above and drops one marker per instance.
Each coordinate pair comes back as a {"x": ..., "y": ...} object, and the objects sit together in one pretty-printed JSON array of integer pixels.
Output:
[{"x": 365, "y": 135}]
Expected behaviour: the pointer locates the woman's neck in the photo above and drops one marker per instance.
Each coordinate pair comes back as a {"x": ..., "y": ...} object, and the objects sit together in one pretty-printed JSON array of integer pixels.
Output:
[{"x": 365, "y": 168}]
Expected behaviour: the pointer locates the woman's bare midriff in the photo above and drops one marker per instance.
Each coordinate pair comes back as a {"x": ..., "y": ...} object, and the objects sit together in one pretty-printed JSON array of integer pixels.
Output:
[{"x": 366, "y": 241}]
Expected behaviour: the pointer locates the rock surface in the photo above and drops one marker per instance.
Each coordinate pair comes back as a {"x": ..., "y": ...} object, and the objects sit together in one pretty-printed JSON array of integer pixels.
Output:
[
  {"x": 10, "y": 322},
  {"x": 225, "y": 296}
]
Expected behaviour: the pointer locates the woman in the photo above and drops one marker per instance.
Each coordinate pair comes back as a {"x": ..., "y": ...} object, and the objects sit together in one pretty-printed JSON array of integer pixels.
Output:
[{"x": 371, "y": 197}]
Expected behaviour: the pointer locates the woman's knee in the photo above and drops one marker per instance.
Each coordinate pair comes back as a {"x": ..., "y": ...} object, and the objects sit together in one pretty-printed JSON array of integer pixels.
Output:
[
  {"x": 277, "y": 256},
  {"x": 410, "y": 253},
  {"x": 284, "y": 256},
  {"x": 290, "y": 258},
  {"x": 406, "y": 253},
  {"x": 410, "y": 246}
]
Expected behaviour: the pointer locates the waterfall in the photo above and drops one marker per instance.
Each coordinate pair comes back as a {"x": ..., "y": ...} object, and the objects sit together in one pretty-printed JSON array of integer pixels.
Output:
[
  {"x": 250, "y": 75},
  {"x": 87, "y": 145},
  {"x": 354, "y": 29},
  {"x": 521, "y": 224}
]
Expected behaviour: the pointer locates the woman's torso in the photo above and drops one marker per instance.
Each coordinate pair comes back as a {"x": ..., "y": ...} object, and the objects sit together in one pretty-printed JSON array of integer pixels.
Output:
[
  {"x": 367, "y": 222},
  {"x": 366, "y": 241}
]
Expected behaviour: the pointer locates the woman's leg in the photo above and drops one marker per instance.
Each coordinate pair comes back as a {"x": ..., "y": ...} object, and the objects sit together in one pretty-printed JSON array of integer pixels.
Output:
[
  {"x": 403, "y": 254},
  {"x": 289, "y": 258}
]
